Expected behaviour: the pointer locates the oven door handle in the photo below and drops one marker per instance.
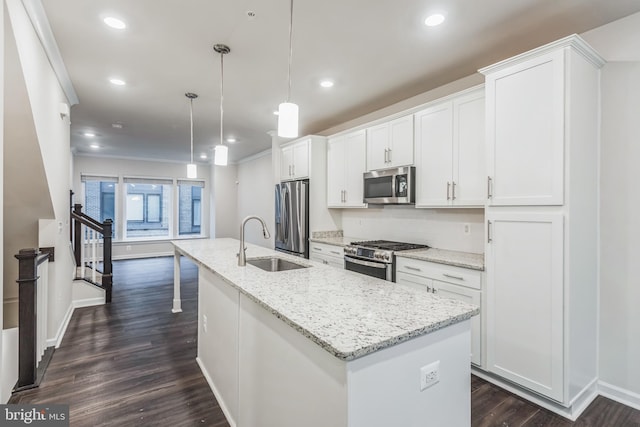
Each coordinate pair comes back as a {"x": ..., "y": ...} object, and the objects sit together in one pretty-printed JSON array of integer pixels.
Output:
[{"x": 365, "y": 263}]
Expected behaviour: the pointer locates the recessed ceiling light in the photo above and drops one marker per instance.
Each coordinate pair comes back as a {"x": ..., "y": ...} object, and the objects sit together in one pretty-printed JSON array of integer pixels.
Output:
[
  {"x": 203, "y": 156},
  {"x": 326, "y": 83},
  {"x": 433, "y": 20},
  {"x": 231, "y": 140},
  {"x": 89, "y": 134},
  {"x": 116, "y": 125},
  {"x": 276, "y": 112},
  {"x": 116, "y": 23},
  {"x": 94, "y": 146},
  {"x": 117, "y": 82}
]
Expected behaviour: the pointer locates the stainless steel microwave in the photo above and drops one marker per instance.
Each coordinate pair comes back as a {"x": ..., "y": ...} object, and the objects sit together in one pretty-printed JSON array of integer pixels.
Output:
[{"x": 390, "y": 186}]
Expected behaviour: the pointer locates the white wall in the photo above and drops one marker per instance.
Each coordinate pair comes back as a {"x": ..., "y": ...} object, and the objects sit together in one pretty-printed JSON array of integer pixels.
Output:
[
  {"x": 225, "y": 199},
  {"x": 3, "y": 375},
  {"x": 52, "y": 130},
  {"x": 256, "y": 197},
  {"x": 140, "y": 168},
  {"x": 438, "y": 228},
  {"x": 620, "y": 227}
]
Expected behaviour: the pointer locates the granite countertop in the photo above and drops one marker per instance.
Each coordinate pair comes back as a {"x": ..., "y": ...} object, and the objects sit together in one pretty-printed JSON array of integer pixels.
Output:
[
  {"x": 348, "y": 314},
  {"x": 442, "y": 256}
]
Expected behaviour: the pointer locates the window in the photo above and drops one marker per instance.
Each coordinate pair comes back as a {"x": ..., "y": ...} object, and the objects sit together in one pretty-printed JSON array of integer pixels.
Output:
[
  {"x": 148, "y": 207},
  {"x": 189, "y": 207},
  {"x": 100, "y": 198}
]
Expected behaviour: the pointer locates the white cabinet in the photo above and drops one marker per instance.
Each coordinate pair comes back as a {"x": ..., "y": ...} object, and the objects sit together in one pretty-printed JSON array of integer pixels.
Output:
[
  {"x": 345, "y": 167},
  {"x": 390, "y": 144},
  {"x": 448, "y": 282},
  {"x": 525, "y": 300},
  {"x": 525, "y": 131},
  {"x": 450, "y": 156},
  {"x": 327, "y": 254},
  {"x": 542, "y": 294},
  {"x": 294, "y": 161}
]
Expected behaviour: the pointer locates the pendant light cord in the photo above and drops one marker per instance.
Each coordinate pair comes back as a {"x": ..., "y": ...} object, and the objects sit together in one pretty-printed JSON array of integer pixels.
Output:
[
  {"x": 191, "y": 116},
  {"x": 290, "y": 49},
  {"x": 221, "y": 94}
]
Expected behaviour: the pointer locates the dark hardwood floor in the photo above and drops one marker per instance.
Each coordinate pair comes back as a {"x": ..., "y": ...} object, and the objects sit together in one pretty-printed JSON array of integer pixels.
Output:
[{"x": 133, "y": 364}]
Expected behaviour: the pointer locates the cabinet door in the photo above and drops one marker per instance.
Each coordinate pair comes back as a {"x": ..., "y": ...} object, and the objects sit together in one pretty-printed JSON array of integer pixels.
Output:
[
  {"x": 301, "y": 160},
  {"x": 469, "y": 171},
  {"x": 336, "y": 164},
  {"x": 434, "y": 145},
  {"x": 377, "y": 147},
  {"x": 354, "y": 157},
  {"x": 401, "y": 142},
  {"x": 414, "y": 281},
  {"x": 469, "y": 296},
  {"x": 525, "y": 300},
  {"x": 525, "y": 132},
  {"x": 286, "y": 163}
]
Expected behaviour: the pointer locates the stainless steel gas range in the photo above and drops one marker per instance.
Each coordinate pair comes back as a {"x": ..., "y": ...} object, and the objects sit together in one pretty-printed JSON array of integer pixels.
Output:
[{"x": 376, "y": 257}]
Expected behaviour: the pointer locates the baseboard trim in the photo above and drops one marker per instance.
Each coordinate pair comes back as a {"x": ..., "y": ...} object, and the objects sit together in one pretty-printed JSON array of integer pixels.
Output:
[
  {"x": 57, "y": 339},
  {"x": 620, "y": 395},
  {"x": 216, "y": 393},
  {"x": 88, "y": 302},
  {"x": 579, "y": 404}
]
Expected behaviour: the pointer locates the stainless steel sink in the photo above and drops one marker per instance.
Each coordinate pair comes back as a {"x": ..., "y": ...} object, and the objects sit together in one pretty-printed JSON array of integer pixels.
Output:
[{"x": 273, "y": 263}]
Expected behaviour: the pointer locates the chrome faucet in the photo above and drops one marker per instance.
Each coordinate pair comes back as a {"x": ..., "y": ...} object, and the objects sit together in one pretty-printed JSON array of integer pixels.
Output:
[{"x": 242, "y": 256}]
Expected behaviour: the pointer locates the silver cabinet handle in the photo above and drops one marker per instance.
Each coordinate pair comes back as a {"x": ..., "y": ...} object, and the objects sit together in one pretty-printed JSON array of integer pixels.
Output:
[
  {"x": 448, "y": 188},
  {"x": 489, "y": 239},
  {"x": 453, "y": 190},
  {"x": 428, "y": 288},
  {"x": 317, "y": 248},
  {"x": 336, "y": 252},
  {"x": 386, "y": 153},
  {"x": 489, "y": 185},
  {"x": 408, "y": 267},
  {"x": 389, "y": 155},
  {"x": 325, "y": 262},
  {"x": 452, "y": 277},
  {"x": 293, "y": 170}
]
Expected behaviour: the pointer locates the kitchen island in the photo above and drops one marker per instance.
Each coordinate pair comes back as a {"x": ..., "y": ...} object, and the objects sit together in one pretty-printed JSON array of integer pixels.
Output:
[{"x": 319, "y": 346}]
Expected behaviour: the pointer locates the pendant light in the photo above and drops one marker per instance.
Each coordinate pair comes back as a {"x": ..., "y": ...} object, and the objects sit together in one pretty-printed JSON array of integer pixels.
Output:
[
  {"x": 221, "y": 150},
  {"x": 192, "y": 169},
  {"x": 288, "y": 111}
]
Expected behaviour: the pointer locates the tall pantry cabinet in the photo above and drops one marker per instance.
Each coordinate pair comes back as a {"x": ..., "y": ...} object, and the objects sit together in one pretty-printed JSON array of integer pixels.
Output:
[{"x": 541, "y": 251}]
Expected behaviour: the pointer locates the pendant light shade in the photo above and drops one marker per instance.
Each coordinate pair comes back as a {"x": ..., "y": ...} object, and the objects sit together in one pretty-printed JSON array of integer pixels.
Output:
[
  {"x": 221, "y": 155},
  {"x": 192, "y": 169},
  {"x": 221, "y": 150},
  {"x": 288, "y": 111},
  {"x": 288, "y": 120}
]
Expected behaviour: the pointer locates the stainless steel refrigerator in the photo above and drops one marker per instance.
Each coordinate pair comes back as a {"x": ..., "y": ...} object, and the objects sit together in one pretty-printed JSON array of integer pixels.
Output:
[{"x": 292, "y": 217}]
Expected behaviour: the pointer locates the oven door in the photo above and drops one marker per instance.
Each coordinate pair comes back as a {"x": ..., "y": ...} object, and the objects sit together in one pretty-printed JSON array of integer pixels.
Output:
[{"x": 380, "y": 270}]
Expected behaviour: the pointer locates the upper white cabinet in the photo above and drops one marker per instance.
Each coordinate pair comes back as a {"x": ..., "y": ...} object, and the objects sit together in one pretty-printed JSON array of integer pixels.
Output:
[
  {"x": 390, "y": 144},
  {"x": 526, "y": 131},
  {"x": 450, "y": 152},
  {"x": 541, "y": 251},
  {"x": 294, "y": 163},
  {"x": 345, "y": 167}
]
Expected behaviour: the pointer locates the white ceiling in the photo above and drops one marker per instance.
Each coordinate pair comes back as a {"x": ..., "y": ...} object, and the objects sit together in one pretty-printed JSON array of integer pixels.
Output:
[{"x": 377, "y": 51}]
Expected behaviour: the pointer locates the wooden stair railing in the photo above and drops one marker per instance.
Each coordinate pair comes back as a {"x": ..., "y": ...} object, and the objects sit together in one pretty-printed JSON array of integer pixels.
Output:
[{"x": 105, "y": 229}]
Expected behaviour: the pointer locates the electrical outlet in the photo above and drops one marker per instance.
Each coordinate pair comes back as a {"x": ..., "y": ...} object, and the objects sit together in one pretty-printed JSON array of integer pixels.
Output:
[
  {"x": 429, "y": 375},
  {"x": 204, "y": 322},
  {"x": 467, "y": 228}
]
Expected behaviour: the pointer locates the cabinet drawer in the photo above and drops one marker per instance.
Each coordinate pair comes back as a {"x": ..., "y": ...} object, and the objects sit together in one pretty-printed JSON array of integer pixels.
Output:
[
  {"x": 327, "y": 250},
  {"x": 442, "y": 272}
]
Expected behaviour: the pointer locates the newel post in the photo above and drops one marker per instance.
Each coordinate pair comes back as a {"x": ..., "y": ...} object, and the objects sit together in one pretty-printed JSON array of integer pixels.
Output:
[
  {"x": 107, "y": 274},
  {"x": 77, "y": 232},
  {"x": 27, "y": 316}
]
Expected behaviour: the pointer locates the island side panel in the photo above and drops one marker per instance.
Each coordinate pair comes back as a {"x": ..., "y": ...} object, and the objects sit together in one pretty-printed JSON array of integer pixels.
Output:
[
  {"x": 286, "y": 380},
  {"x": 177, "y": 301},
  {"x": 384, "y": 387},
  {"x": 218, "y": 305}
]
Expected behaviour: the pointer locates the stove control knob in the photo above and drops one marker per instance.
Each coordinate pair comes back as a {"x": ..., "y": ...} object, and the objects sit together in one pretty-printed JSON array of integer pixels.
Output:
[{"x": 386, "y": 257}]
